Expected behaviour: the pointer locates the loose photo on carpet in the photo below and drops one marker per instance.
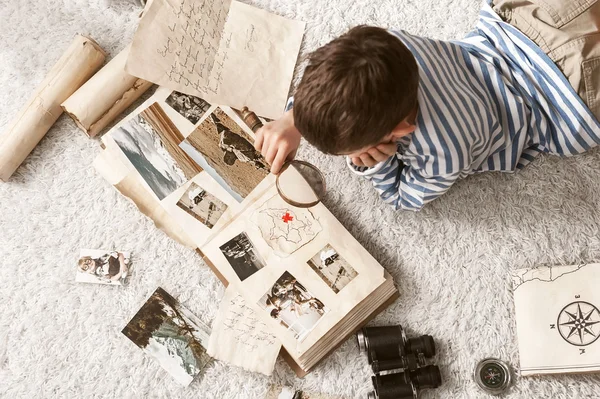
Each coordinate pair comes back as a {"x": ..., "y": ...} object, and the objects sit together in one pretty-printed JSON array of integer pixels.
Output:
[
  {"x": 293, "y": 306},
  {"x": 335, "y": 271},
  {"x": 242, "y": 256},
  {"x": 98, "y": 266},
  {"x": 202, "y": 205},
  {"x": 172, "y": 335}
]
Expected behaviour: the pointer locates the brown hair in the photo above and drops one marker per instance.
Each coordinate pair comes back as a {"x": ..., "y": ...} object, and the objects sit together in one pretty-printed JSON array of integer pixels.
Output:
[{"x": 355, "y": 90}]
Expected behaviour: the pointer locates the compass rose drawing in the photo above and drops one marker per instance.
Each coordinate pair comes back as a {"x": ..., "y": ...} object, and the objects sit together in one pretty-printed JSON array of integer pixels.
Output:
[{"x": 577, "y": 321}]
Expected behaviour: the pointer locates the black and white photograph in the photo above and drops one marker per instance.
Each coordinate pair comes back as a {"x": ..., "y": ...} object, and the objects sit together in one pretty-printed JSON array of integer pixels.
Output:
[
  {"x": 99, "y": 266},
  {"x": 143, "y": 147},
  {"x": 242, "y": 256},
  {"x": 202, "y": 205},
  {"x": 190, "y": 107},
  {"x": 226, "y": 152},
  {"x": 293, "y": 306},
  {"x": 170, "y": 334},
  {"x": 335, "y": 271}
]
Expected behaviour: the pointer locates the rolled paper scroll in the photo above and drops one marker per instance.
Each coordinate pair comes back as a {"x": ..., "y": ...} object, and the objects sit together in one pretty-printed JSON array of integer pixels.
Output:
[
  {"x": 105, "y": 96},
  {"x": 81, "y": 60}
]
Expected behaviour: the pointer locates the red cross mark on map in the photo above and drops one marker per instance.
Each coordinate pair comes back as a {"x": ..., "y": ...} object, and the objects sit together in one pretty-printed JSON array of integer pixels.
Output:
[{"x": 287, "y": 217}]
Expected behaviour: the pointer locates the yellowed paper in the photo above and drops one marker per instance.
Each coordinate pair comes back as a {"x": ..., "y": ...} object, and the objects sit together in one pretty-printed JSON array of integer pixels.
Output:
[
  {"x": 78, "y": 63},
  {"x": 305, "y": 293},
  {"x": 129, "y": 184},
  {"x": 223, "y": 51},
  {"x": 558, "y": 319},
  {"x": 105, "y": 96},
  {"x": 240, "y": 338}
]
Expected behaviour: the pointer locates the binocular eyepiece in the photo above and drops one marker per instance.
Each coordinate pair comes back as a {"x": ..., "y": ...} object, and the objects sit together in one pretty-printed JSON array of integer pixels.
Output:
[
  {"x": 388, "y": 348},
  {"x": 405, "y": 385}
]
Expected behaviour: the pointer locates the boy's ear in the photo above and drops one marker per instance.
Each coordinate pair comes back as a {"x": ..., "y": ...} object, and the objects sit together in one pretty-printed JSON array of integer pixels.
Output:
[{"x": 402, "y": 129}]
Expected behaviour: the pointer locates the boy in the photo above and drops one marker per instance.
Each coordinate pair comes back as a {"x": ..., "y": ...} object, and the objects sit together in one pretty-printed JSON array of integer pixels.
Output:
[{"x": 414, "y": 115}]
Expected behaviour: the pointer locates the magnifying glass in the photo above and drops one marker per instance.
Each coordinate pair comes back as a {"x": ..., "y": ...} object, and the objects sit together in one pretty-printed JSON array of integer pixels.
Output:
[{"x": 299, "y": 183}]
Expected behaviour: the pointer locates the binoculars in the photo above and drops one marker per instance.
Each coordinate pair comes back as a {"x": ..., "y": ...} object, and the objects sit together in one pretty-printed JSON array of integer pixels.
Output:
[{"x": 387, "y": 349}]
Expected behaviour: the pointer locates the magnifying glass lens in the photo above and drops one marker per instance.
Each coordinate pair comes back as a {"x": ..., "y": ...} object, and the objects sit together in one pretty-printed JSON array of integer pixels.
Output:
[{"x": 301, "y": 184}]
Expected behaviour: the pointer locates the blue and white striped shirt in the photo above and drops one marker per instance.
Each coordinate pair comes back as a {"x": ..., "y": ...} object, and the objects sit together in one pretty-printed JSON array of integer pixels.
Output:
[{"x": 489, "y": 102}]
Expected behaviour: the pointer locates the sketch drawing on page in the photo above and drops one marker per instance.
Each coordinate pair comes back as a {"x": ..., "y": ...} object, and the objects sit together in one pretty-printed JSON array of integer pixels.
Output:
[
  {"x": 558, "y": 336},
  {"x": 285, "y": 228},
  {"x": 290, "y": 303},
  {"x": 221, "y": 143}
]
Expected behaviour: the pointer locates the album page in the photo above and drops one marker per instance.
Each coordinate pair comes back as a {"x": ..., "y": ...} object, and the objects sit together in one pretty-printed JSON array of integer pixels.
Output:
[
  {"x": 299, "y": 268},
  {"x": 194, "y": 161}
]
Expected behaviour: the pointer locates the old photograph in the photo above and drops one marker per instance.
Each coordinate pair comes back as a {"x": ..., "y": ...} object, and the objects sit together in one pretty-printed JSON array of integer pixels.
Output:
[
  {"x": 190, "y": 107},
  {"x": 242, "y": 256},
  {"x": 172, "y": 335},
  {"x": 142, "y": 145},
  {"x": 226, "y": 152},
  {"x": 293, "y": 306},
  {"x": 202, "y": 205},
  {"x": 335, "y": 271},
  {"x": 98, "y": 266}
]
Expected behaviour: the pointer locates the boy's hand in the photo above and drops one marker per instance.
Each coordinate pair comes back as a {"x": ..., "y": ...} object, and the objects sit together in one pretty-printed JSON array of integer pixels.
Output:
[
  {"x": 278, "y": 141},
  {"x": 373, "y": 155}
]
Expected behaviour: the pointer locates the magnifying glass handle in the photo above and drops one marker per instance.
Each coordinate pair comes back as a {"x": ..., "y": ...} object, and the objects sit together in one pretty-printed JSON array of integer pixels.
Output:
[{"x": 251, "y": 119}]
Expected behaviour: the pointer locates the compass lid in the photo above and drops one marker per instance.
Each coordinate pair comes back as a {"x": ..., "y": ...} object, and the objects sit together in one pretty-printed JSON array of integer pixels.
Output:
[{"x": 493, "y": 376}]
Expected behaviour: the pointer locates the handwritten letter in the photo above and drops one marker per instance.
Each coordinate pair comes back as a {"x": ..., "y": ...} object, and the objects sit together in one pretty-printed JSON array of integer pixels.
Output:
[
  {"x": 224, "y": 51},
  {"x": 240, "y": 338}
]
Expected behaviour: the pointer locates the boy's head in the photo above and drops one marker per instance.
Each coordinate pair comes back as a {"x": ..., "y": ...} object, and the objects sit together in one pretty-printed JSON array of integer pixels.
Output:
[{"x": 355, "y": 91}]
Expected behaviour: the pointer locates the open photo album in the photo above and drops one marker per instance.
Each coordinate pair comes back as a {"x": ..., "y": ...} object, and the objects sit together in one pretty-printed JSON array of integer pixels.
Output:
[{"x": 192, "y": 168}]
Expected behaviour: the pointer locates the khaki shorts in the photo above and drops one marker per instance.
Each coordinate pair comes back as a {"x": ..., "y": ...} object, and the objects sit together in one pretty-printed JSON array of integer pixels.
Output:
[{"x": 569, "y": 32}]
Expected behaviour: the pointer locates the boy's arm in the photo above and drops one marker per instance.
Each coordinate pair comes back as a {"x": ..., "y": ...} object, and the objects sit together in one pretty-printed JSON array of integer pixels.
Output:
[{"x": 402, "y": 186}]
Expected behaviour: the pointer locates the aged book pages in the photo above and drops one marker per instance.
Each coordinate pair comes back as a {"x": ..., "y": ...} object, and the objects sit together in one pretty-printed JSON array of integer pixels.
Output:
[
  {"x": 198, "y": 48},
  {"x": 130, "y": 186},
  {"x": 80, "y": 61},
  {"x": 305, "y": 294},
  {"x": 105, "y": 96},
  {"x": 162, "y": 180},
  {"x": 299, "y": 270},
  {"x": 240, "y": 338},
  {"x": 558, "y": 318}
]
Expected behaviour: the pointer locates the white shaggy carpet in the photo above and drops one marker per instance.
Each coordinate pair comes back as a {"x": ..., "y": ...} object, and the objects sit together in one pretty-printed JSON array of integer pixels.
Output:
[{"x": 59, "y": 339}]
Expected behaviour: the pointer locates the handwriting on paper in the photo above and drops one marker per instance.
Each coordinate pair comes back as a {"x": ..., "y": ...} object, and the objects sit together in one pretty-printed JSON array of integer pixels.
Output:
[
  {"x": 193, "y": 44},
  {"x": 245, "y": 327},
  {"x": 251, "y": 38},
  {"x": 223, "y": 51},
  {"x": 240, "y": 338}
]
